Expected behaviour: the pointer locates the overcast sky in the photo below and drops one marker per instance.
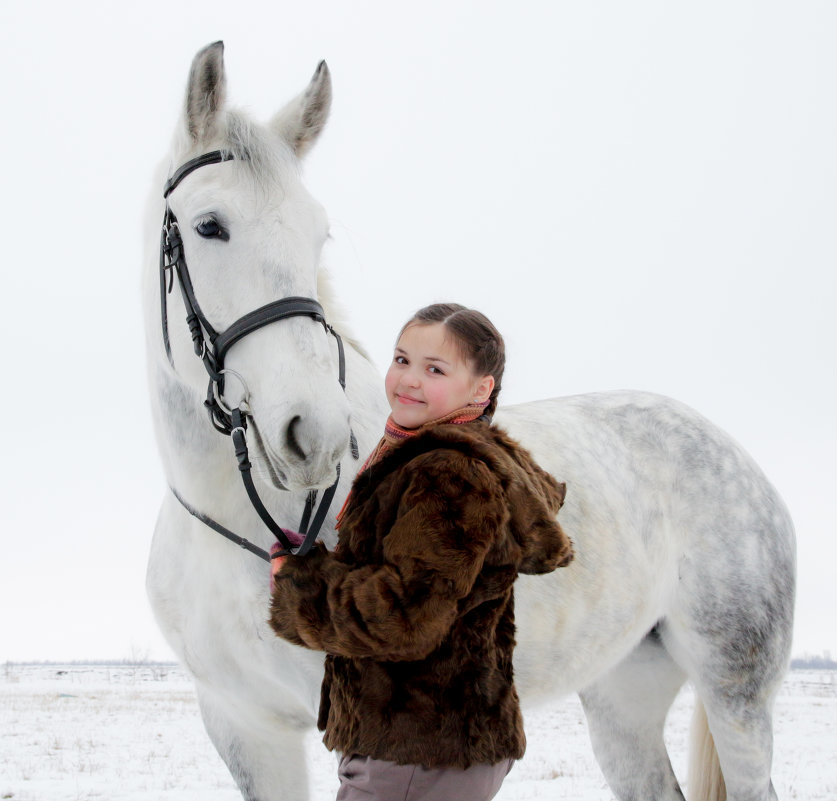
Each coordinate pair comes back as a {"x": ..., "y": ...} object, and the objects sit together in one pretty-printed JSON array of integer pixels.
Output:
[{"x": 641, "y": 195}]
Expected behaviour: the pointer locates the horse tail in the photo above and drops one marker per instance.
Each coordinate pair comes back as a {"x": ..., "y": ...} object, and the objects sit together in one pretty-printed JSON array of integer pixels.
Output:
[{"x": 706, "y": 782}]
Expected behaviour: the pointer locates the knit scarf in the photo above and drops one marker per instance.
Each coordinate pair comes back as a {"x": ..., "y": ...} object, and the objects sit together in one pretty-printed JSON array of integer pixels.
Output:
[{"x": 395, "y": 434}]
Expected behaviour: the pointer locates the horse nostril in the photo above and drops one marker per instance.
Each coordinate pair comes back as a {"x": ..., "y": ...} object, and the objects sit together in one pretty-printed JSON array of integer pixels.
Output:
[{"x": 293, "y": 443}]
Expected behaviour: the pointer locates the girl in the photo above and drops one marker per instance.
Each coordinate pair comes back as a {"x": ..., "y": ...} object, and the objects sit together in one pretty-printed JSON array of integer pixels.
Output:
[{"x": 414, "y": 608}]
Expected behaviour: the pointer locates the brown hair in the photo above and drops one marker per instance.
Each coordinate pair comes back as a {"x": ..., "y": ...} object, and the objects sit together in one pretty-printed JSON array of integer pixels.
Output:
[{"x": 478, "y": 340}]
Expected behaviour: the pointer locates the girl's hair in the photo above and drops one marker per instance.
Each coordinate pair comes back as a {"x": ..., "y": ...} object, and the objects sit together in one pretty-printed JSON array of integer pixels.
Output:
[{"x": 478, "y": 340}]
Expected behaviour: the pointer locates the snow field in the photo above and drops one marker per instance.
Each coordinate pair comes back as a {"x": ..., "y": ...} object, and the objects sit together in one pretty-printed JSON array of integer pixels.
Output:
[{"x": 82, "y": 733}]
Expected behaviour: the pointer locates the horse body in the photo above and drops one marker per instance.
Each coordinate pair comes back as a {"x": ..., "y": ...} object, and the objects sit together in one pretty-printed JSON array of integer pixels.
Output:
[
  {"x": 674, "y": 527},
  {"x": 685, "y": 568},
  {"x": 684, "y": 561}
]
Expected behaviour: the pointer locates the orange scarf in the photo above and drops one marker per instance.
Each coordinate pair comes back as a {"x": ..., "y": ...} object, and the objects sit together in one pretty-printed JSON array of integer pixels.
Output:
[{"x": 394, "y": 435}]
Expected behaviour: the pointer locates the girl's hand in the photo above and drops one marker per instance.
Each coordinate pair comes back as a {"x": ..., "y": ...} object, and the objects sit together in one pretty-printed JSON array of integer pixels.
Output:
[{"x": 276, "y": 562}]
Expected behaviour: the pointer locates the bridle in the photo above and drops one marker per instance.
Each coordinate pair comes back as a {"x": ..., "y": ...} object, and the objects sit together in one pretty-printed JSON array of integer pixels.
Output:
[{"x": 211, "y": 347}]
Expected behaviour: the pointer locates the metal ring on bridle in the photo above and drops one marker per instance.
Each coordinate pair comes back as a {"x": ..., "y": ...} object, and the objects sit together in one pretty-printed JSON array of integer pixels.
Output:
[{"x": 244, "y": 404}]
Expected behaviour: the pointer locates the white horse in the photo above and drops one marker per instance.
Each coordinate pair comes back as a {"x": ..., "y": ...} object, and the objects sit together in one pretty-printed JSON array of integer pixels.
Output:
[{"x": 685, "y": 556}]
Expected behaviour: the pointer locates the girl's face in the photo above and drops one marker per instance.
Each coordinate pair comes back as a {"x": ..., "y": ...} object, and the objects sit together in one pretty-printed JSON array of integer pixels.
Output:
[{"x": 428, "y": 378}]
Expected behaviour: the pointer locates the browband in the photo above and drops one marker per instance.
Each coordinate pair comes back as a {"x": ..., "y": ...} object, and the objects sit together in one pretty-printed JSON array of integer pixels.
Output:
[{"x": 213, "y": 157}]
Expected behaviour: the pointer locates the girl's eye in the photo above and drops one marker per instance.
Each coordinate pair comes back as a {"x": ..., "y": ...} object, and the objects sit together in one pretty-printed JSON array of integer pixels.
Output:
[
  {"x": 400, "y": 360},
  {"x": 435, "y": 370},
  {"x": 210, "y": 228}
]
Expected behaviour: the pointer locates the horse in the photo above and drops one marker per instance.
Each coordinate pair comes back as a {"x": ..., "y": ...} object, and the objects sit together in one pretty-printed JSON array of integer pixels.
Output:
[{"x": 684, "y": 553}]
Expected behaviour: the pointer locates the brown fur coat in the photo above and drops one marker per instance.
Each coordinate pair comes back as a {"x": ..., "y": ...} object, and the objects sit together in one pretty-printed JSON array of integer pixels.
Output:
[{"x": 415, "y": 607}]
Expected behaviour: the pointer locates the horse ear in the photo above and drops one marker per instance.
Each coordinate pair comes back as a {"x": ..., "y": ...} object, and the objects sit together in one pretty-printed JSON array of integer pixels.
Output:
[
  {"x": 300, "y": 122},
  {"x": 206, "y": 92}
]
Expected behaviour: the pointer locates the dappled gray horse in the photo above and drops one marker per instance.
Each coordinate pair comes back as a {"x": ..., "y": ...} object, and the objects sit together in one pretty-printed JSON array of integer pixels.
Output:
[{"x": 684, "y": 563}]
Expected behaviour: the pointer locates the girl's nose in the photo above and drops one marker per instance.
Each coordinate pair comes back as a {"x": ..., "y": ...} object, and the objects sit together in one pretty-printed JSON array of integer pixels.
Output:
[{"x": 411, "y": 378}]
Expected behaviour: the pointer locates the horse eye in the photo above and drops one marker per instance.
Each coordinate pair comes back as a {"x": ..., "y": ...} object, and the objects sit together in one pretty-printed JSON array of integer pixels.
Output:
[{"x": 211, "y": 229}]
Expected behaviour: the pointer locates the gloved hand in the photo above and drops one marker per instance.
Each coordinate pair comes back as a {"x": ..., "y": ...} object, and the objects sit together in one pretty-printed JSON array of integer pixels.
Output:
[{"x": 276, "y": 562}]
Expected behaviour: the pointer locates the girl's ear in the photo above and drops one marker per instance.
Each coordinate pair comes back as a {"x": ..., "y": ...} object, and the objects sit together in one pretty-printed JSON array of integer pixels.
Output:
[{"x": 484, "y": 388}]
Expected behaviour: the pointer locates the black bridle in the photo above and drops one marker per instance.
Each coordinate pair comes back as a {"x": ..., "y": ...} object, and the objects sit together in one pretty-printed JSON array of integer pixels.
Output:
[{"x": 211, "y": 347}]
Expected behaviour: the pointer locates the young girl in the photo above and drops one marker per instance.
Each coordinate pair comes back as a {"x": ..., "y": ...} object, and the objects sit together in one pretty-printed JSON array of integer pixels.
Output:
[{"x": 414, "y": 608}]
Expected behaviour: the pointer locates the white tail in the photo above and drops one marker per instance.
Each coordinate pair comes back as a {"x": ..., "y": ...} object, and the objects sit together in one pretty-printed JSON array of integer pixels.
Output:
[{"x": 706, "y": 782}]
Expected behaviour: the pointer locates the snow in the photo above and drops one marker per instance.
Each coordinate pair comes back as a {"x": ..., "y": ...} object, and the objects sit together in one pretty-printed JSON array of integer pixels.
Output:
[{"x": 134, "y": 733}]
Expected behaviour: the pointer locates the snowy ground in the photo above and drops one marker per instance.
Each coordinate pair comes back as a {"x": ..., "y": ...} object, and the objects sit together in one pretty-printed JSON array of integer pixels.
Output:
[{"x": 77, "y": 733}]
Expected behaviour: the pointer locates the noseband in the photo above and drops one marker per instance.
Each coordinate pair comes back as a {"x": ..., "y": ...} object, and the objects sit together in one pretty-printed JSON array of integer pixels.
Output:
[{"x": 211, "y": 347}]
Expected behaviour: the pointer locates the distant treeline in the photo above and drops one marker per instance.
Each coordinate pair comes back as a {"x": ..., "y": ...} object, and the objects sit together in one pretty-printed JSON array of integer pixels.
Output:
[
  {"x": 806, "y": 662},
  {"x": 813, "y": 663},
  {"x": 132, "y": 663}
]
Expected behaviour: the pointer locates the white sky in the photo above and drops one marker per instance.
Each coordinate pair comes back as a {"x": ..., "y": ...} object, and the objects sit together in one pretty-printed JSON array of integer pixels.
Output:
[{"x": 641, "y": 195}]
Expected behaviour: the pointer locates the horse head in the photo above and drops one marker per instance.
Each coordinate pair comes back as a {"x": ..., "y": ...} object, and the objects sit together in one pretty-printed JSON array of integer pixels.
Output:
[{"x": 251, "y": 235}]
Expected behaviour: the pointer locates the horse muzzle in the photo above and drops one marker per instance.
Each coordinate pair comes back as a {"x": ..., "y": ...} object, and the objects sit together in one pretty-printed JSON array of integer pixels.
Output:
[{"x": 303, "y": 455}]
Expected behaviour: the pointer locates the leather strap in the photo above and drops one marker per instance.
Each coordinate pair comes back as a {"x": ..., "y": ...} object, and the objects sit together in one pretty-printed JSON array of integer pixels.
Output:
[
  {"x": 239, "y": 438},
  {"x": 264, "y": 315},
  {"x": 213, "y": 157},
  {"x": 225, "y": 532}
]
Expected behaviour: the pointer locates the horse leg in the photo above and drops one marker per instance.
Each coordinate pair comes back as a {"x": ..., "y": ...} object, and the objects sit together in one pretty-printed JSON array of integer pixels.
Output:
[
  {"x": 733, "y": 639},
  {"x": 265, "y": 757},
  {"x": 736, "y": 685},
  {"x": 626, "y": 712},
  {"x": 744, "y": 744}
]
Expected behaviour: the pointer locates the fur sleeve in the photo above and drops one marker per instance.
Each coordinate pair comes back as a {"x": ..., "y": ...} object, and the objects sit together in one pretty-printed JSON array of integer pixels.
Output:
[{"x": 449, "y": 513}]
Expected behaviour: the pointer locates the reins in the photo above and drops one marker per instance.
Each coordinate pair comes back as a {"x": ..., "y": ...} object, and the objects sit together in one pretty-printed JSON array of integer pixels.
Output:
[{"x": 211, "y": 347}]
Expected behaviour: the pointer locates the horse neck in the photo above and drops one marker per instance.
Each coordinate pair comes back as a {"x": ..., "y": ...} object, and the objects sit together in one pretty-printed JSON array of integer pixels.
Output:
[
  {"x": 198, "y": 461},
  {"x": 364, "y": 384},
  {"x": 365, "y": 391}
]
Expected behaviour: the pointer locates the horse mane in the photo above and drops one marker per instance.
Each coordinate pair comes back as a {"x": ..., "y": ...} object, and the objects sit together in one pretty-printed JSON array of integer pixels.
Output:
[
  {"x": 263, "y": 152},
  {"x": 336, "y": 313}
]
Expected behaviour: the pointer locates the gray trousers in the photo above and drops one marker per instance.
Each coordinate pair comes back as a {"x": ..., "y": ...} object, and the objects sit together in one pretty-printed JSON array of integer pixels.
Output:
[{"x": 366, "y": 779}]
